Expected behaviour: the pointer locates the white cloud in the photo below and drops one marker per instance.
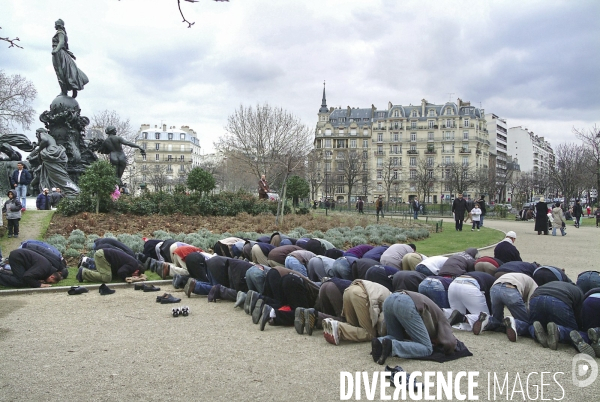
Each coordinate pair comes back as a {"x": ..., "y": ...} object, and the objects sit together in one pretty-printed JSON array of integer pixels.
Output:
[{"x": 534, "y": 63}]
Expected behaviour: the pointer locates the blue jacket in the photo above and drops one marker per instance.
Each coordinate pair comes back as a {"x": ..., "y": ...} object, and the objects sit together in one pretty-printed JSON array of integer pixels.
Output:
[
  {"x": 25, "y": 177},
  {"x": 43, "y": 201}
]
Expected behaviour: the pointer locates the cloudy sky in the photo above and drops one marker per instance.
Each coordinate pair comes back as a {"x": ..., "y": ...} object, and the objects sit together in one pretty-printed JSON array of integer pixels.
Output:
[{"x": 534, "y": 63}]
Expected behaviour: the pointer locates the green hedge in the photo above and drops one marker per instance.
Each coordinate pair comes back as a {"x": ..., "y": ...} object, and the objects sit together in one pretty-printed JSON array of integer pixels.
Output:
[{"x": 222, "y": 204}]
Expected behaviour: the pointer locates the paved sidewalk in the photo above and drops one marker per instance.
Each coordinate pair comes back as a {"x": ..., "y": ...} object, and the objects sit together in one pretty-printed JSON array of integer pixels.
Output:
[{"x": 125, "y": 346}]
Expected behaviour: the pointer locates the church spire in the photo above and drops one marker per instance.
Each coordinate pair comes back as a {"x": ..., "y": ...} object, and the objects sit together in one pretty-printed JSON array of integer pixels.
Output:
[{"x": 324, "y": 102}]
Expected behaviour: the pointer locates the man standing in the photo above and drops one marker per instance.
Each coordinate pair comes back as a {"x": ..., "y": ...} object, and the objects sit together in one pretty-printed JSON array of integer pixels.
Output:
[
  {"x": 379, "y": 207},
  {"x": 20, "y": 180},
  {"x": 416, "y": 206},
  {"x": 481, "y": 202},
  {"x": 459, "y": 207},
  {"x": 577, "y": 212},
  {"x": 263, "y": 188},
  {"x": 43, "y": 200},
  {"x": 360, "y": 204}
]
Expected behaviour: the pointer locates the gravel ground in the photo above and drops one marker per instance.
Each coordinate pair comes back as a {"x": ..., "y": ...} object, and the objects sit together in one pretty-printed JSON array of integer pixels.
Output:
[{"x": 126, "y": 346}]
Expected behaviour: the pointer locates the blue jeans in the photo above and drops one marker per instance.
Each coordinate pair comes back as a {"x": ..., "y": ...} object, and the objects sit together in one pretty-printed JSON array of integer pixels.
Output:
[
  {"x": 202, "y": 288},
  {"x": 22, "y": 194},
  {"x": 501, "y": 296},
  {"x": 416, "y": 214},
  {"x": 481, "y": 221},
  {"x": 424, "y": 270},
  {"x": 547, "y": 309},
  {"x": 434, "y": 289},
  {"x": 341, "y": 269},
  {"x": 588, "y": 280},
  {"x": 255, "y": 279},
  {"x": 562, "y": 230},
  {"x": 292, "y": 263},
  {"x": 401, "y": 316}
]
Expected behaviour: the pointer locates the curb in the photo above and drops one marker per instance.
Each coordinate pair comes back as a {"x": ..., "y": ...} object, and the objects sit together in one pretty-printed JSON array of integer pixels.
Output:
[{"x": 12, "y": 292}]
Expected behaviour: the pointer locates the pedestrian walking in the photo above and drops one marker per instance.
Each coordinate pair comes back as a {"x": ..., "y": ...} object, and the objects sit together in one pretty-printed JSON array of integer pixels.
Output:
[
  {"x": 559, "y": 220},
  {"x": 481, "y": 202},
  {"x": 541, "y": 216},
  {"x": 379, "y": 207},
  {"x": 577, "y": 212}
]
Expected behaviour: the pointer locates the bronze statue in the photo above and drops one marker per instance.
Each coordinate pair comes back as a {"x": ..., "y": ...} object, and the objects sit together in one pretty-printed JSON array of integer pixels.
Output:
[
  {"x": 113, "y": 146},
  {"x": 70, "y": 78}
]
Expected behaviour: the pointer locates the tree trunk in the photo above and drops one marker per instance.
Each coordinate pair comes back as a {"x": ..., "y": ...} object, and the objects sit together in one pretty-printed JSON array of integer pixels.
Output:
[{"x": 97, "y": 205}]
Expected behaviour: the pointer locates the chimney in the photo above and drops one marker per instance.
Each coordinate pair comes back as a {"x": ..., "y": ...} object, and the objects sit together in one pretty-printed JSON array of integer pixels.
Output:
[{"x": 164, "y": 127}]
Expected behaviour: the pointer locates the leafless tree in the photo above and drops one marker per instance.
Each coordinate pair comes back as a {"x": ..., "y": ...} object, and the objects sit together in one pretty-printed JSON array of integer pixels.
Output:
[
  {"x": 591, "y": 139},
  {"x": 389, "y": 175},
  {"x": 16, "y": 96},
  {"x": 458, "y": 177},
  {"x": 424, "y": 178},
  {"x": 566, "y": 173},
  {"x": 522, "y": 186},
  {"x": 158, "y": 177},
  {"x": 266, "y": 140},
  {"x": 313, "y": 174},
  {"x": 350, "y": 170}
]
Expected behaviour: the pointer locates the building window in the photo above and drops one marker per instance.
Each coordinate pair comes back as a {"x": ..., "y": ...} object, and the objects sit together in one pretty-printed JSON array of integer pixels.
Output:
[
  {"x": 328, "y": 166},
  {"x": 144, "y": 146},
  {"x": 431, "y": 112},
  {"x": 465, "y": 135},
  {"x": 449, "y": 111},
  {"x": 353, "y": 131},
  {"x": 182, "y": 158},
  {"x": 170, "y": 136},
  {"x": 341, "y": 131},
  {"x": 340, "y": 189},
  {"x": 364, "y": 167},
  {"x": 157, "y": 136},
  {"x": 145, "y": 135},
  {"x": 430, "y": 161},
  {"x": 413, "y": 148},
  {"x": 182, "y": 137},
  {"x": 365, "y": 143},
  {"x": 413, "y": 137},
  {"x": 396, "y": 114},
  {"x": 395, "y": 149},
  {"x": 430, "y": 136},
  {"x": 430, "y": 174},
  {"x": 379, "y": 162},
  {"x": 465, "y": 161},
  {"x": 328, "y": 131},
  {"x": 467, "y": 123},
  {"x": 169, "y": 147},
  {"x": 157, "y": 146},
  {"x": 169, "y": 168},
  {"x": 144, "y": 157},
  {"x": 365, "y": 155},
  {"x": 352, "y": 143},
  {"x": 380, "y": 137},
  {"x": 182, "y": 148},
  {"x": 169, "y": 157},
  {"x": 157, "y": 157},
  {"x": 396, "y": 123},
  {"x": 379, "y": 187},
  {"x": 327, "y": 143},
  {"x": 144, "y": 167},
  {"x": 341, "y": 144},
  {"x": 395, "y": 175},
  {"x": 431, "y": 123},
  {"x": 396, "y": 137},
  {"x": 182, "y": 168},
  {"x": 379, "y": 175},
  {"x": 379, "y": 149},
  {"x": 414, "y": 113},
  {"x": 394, "y": 161},
  {"x": 365, "y": 132},
  {"x": 448, "y": 135},
  {"x": 413, "y": 124},
  {"x": 413, "y": 161},
  {"x": 413, "y": 174}
]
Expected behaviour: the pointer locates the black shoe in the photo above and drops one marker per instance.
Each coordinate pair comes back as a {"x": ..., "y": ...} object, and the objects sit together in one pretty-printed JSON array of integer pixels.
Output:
[
  {"x": 159, "y": 298},
  {"x": 185, "y": 311},
  {"x": 105, "y": 290},
  {"x": 169, "y": 299},
  {"x": 456, "y": 318},
  {"x": 79, "y": 275},
  {"x": 77, "y": 290},
  {"x": 310, "y": 320},
  {"x": 386, "y": 350},
  {"x": 138, "y": 286},
  {"x": 540, "y": 333},
  {"x": 247, "y": 301},
  {"x": 179, "y": 281},
  {"x": 175, "y": 311},
  {"x": 581, "y": 345},
  {"x": 240, "y": 299},
  {"x": 214, "y": 294},
  {"x": 258, "y": 310},
  {"x": 254, "y": 298},
  {"x": 150, "y": 288},
  {"x": 299, "y": 320},
  {"x": 266, "y": 316},
  {"x": 376, "y": 349}
]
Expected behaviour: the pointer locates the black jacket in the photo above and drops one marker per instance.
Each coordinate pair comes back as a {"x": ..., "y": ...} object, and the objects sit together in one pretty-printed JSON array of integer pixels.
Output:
[
  {"x": 566, "y": 292},
  {"x": 459, "y": 263},
  {"x": 25, "y": 177},
  {"x": 481, "y": 203},
  {"x": 519, "y": 267},
  {"x": 577, "y": 210},
  {"x": 30, "y": 267},
  {"x": 459, "y": 207},
  {"x": 506, "y": 252},
  {"x": 109, "y": 242},
  {"x": 121, "y": 264}
]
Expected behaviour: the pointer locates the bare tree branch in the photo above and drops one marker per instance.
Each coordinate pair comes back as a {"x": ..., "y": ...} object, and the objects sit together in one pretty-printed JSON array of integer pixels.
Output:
[
  {"x": 181, "y": 12},
  {"x": 16, "y": 96},
  {"x": 11, "y": 41}
]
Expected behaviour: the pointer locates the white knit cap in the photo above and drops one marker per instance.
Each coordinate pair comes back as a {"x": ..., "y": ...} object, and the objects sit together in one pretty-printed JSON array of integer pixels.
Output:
[{"x": 511, "y": 234}]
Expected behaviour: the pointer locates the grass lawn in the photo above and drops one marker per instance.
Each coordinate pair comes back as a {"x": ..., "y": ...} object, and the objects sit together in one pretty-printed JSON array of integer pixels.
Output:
[{"x": 450, "y": 241}]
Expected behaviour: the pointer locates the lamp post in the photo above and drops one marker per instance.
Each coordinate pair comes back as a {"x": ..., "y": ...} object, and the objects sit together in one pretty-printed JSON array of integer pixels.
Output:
[{"x": 326, "y": 192}]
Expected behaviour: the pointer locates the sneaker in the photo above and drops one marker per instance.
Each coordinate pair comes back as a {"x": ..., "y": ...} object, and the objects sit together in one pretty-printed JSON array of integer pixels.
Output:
[
  {"x": 189, "y": 287},
  {"x": 478, "y": 230},
  {"x": 240, "y": 299},
  {"x": 247, "y": 301},
  {"x": 472, "y": 230},
  {"x": 553, "y": 335},
  {"x": 9, "y": 236},
  {"x": 456, "y": 318},
  {"x": 81, "y": 259},
  {"x": 255, "y": 297},
  {"x": 481, "y": 323},
  {"x": 310, "y": 320},
  {"x": 511, "y": 328},
  {"x": 179, "y": 281},
  {"x": 540, "y": 334},
  {"x": 594, "y": 334},
  {"x": 299, "y": 320},
  {"x": 15, "y": 236},
  {"x": 580, "y": 344},
  {"x": 386, "y": 350},
  {"x": 258, "y": 311},
  {"x": 331, "y": 331},
  {"x": 266, "y": 316},
  {"x": 23, "y": 209}
]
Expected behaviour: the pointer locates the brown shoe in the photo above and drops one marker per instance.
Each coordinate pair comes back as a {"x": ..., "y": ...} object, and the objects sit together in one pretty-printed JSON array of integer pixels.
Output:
[{"x": 189, "y": 287}]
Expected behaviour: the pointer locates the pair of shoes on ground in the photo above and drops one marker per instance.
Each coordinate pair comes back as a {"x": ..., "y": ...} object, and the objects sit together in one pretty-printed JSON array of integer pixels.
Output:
[
  {"x": 167, "y": 298},
  {"x": 240, "y": 299},
  {"x": 183, "y": 311},
  {"x": 305, "y": 319},
  {"x": 261, "y": 313},
  {"x": 105, "y": 290},
  {"x": 146, "y": 287},
  {"x": 547, "y": 337},
  {"x": 252, "y": 298},
  {"x": 77, "y": 290},
  {"x": 381, "y": 350}
]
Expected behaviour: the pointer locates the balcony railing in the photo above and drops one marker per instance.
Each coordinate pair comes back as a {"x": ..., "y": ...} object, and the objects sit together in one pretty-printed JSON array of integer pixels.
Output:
[
  {"x": 379, "y": 153},
  {"x": 447, "y": 151},
  {"x": 412, "y": 152},
  {"x": 430, "y": 152},
  {"x": 465, "y": 151}
]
